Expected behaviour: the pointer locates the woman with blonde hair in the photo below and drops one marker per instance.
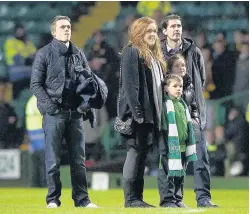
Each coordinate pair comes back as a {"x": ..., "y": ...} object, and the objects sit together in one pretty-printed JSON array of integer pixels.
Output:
[{"x": 140, "y": 98}]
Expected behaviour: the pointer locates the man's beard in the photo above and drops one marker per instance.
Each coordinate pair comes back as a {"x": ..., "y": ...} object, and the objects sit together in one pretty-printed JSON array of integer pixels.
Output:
[{"x": 174, "y": 40}]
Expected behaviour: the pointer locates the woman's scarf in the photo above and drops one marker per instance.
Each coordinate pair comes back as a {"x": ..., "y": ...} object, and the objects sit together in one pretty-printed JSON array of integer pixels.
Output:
[{"x": 157, "y": 77}]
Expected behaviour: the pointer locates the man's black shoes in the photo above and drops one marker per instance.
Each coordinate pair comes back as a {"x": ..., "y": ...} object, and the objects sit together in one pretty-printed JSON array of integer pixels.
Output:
[
  {"x": 138, "y": 204},
  {"x": 142, "y": 204},
  {"x": 170, "y": 205},
  {"x": 207, "y": 204},
  {"x": 181, "y": 204}
]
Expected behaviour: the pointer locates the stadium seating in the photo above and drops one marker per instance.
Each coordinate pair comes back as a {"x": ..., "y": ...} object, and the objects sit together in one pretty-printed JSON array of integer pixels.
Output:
[
  {"x": 4, "y": 10},
  {"x": 6, "y": 27}
]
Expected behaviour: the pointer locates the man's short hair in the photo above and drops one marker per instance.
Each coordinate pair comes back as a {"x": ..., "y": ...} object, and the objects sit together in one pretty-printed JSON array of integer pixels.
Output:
[
  {"x": 55, "y": 19},
  {"x": 164, "y": 24}
]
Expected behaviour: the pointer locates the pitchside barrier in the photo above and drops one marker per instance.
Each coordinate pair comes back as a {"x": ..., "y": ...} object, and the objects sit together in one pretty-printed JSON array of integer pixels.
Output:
[{"x": 14, "y": 159}]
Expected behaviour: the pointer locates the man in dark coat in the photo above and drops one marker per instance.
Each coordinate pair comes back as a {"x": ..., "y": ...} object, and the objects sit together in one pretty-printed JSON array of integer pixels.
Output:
[
  {"x": 9, "y": 133},
  {"x": 171, "y": 45},
  {"x": 58, "y": 71}
]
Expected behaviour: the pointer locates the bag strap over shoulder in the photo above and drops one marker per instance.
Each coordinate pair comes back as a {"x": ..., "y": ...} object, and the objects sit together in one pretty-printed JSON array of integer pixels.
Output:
[{"x": 119, "y": 92}]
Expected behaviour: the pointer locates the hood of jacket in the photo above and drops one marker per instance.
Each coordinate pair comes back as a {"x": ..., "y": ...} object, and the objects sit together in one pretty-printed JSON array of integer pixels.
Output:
[{"x": 186, "y": 44}]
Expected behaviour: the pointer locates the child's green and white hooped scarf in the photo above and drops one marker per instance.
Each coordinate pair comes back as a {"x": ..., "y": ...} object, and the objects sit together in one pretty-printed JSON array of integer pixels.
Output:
[{"x": 175, "y": 167}]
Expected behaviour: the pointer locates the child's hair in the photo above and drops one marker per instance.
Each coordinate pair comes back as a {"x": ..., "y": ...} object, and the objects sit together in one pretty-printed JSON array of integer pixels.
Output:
[
  {"x": 172, "y": 60},
  {"x": 170, "y": 77}
]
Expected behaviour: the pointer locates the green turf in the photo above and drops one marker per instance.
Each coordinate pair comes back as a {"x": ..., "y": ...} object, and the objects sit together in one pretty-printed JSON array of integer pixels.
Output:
[{"x": 31, "y": 201}]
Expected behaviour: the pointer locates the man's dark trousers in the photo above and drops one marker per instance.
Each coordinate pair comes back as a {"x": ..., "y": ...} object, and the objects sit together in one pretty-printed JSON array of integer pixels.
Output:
[
  {"x": 69, "y": 125},
  {"x": 202, "y": 172}
]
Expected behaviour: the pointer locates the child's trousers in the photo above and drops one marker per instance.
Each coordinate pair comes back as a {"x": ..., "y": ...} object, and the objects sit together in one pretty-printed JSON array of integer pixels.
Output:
[{"x": 170, "y": 188}]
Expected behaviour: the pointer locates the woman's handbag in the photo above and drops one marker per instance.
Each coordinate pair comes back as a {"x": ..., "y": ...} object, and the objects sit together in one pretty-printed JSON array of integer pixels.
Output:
[{"x": 123, "y": 127}]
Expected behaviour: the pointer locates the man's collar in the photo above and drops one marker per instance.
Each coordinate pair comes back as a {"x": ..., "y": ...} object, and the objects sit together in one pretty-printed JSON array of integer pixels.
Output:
[
  {"x": 67, "y": 44},
  {"x": 62, "y": 48},
  {"x": 169, "y": 49}
]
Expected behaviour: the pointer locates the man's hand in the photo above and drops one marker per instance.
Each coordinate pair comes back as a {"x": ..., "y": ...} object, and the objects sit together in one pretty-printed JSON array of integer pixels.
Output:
[
  {"x": 57, "y": 111},
  {"x": 53, "y": 109},
  {"x": 11, "y": 120},
  {"x": 139, "y": 115},
  {"x": 97, "y": 63},
  {"x": 139, "y": 120}
]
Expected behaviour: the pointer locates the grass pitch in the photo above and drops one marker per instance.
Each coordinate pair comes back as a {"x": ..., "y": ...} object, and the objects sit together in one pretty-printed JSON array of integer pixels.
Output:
[{"x": 32, "y": 201}]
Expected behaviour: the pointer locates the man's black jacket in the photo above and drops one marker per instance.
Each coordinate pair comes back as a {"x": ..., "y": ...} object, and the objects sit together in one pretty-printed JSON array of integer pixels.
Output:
[{"x": 48, "y": 76}]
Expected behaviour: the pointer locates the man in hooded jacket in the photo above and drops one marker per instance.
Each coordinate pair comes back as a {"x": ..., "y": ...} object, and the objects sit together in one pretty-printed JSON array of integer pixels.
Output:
[{"x": 171, "y": 45}]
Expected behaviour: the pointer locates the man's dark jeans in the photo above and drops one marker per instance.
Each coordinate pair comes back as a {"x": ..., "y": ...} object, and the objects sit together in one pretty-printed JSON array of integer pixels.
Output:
[
  {"x": 202, "y": 172},
  {"x": 68, "y": 125}
]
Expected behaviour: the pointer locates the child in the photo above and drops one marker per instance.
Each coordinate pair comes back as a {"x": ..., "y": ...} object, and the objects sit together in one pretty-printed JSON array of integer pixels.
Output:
[
  {"x": 178, "y": 146},
  {"x": 177, "y": 65}
]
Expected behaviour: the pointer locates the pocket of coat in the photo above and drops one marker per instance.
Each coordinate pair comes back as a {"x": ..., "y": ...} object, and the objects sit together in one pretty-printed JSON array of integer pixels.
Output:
[{"x": 197, "y": 130}]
